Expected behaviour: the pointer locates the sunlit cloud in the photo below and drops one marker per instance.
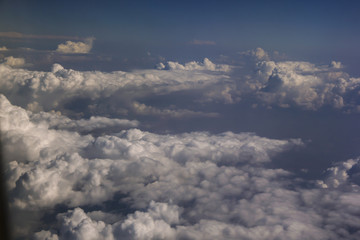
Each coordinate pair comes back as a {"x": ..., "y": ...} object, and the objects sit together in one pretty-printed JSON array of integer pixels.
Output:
[
  {"x": 76, "y": 47},
  {"x": 14, "y": 62}
]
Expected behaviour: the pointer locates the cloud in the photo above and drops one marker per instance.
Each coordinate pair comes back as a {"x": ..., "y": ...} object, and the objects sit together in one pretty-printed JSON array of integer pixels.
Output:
[
  {"x": 202, "y": 42},
  {"x": 80, "y": 165},
  {"x": 267, "y": 83},
  {"x": 191, "y": 66},
  {"x": 59, "y": 88},
  {"x": 193, "y": 185},
  {"x": 143, "y": 109},
  {"x": 14, "y": 62},
  {"x": 303, "y": 84},
  {"x": 76, "y": 47},
  {"x": 257, "y": 54},
  {"x": 55, "y": 120},
  {"x": 341, "y": 174},
  {"x": 3, "y": 48}
]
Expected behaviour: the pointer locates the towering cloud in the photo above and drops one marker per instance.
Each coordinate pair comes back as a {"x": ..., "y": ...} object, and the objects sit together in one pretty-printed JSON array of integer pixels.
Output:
[{"x": 76, "y": 47}]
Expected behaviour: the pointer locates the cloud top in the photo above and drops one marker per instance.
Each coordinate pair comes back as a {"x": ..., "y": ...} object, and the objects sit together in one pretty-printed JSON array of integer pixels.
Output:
[
  {"x": 14, "y": 62},
  {"x": 70, "y": 47}
]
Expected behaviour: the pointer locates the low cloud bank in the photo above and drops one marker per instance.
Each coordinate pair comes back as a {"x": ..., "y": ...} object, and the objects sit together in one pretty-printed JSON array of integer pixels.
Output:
[{"x": 186, "y": 186}]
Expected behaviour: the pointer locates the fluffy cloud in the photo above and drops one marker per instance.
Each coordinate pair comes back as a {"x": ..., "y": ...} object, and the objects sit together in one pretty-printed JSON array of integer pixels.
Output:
[
  {"x": 77, "y": 168},
  {"x": 191, "y": 66},
  {"x": 3, "y": 48},
  {"x": 76, "y": 47},
  {"x": 267, "y": 83},
  {"x": 192, "y": 185},
  {"x": 303, "y": 84},
  {"x": 14, "y": 62},
  {"x": 100, "y": 91}
]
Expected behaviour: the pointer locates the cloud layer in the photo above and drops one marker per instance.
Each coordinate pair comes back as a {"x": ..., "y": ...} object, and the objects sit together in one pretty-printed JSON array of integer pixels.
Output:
[
  {"x": 267, "y": 83},
  {"x": 187, "y": 186},
  {"x": 80, "y": 164}
]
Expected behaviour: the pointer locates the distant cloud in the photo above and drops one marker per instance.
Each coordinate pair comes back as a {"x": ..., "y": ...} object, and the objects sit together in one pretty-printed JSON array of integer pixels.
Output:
[
  {"x": 3, "y": 48},
  {"x": 335, "y": 64},
  {"x": 14, "y": 62},
  {"x": 34, "y": 36},
  {"x": 76, "y": 47},
  {"x": 202, "y": 42},
  {"x": 257, "y": 54},
  {"x": 143, "y": 109},
  {"x": 190, "y": 66}
]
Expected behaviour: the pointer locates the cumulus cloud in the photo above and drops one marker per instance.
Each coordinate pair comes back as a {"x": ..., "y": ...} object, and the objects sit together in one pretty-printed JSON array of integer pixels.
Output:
[
  {"x": 14, "y": 62},
  {"x": 103, "y": 92},
  {"x": 79, "y": 168},
  {"x": 342, "y": 174},
  {"x": 190, "y": 66},
  {"x": 267, "y": 83},
  {"x": 303, "y": 84},
  {"x": 76, "y": 47},
  {"x": 3, "y": 48},
  {"x": 193, "y": 185}
]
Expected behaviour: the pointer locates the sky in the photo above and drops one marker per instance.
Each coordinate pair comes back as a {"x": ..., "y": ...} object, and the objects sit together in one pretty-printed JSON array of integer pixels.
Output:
[{"x": 181, "y": 120}]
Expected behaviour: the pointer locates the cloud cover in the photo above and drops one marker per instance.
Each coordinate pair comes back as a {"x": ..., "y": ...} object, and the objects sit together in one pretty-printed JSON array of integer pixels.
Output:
[
  {"x": 103, "y": 177},
  {"x": 186, "y": 186},
  {"x": 267, "y": 83}
]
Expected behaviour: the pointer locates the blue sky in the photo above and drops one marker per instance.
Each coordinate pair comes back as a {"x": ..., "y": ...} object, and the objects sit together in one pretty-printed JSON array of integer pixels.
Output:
[{"x": 305, "y": 29}]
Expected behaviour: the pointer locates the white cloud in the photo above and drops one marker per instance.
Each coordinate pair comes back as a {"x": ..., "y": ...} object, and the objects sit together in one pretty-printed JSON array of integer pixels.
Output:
[
  {"x": 193, "y": 185},
  {"x": 3, "y": 48},
  {"x": 114, "y": 183},
  {"x": 285, "y": 84},
  {"x": 76, "y": 47},
  {"x": 341, "y": 173},
  {"x": 14, "y": 62},
  {"x": 53, "y": 90},
  {"x": 191, "y": 66}
]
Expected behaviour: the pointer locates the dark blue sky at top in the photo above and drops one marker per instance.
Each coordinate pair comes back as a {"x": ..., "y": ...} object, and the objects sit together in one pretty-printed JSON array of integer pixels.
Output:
[{"x": 298, "y": 28}]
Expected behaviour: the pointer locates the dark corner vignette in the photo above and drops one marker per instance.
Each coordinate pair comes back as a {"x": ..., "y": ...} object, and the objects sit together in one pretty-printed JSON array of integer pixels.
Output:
[{"x": 5, "y": 226}]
